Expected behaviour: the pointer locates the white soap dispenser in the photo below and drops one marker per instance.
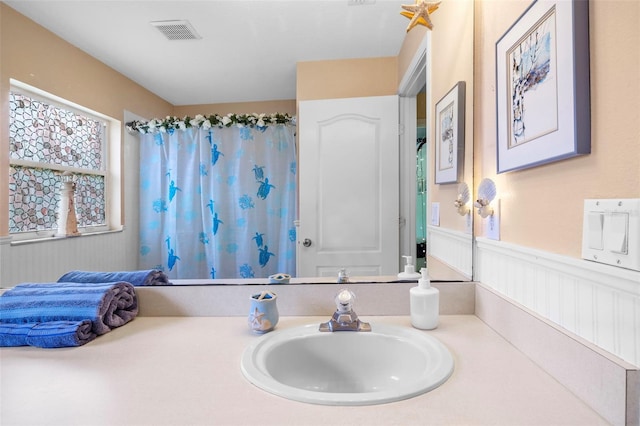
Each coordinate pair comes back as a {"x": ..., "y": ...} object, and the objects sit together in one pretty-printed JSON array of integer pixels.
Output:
[
  {"x": 425, "y": 304},
  {"x": 409, "y": 270}
]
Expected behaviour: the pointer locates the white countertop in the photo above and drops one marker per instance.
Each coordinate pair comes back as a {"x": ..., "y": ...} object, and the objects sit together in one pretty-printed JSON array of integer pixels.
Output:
[{"x": 186, "y": 370}]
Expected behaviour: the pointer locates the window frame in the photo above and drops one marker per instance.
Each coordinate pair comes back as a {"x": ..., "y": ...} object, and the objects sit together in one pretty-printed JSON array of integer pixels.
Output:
[{"x": 110, "y": 169}]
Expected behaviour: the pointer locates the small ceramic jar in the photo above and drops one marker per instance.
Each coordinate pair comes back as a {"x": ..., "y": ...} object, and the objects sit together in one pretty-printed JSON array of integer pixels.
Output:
[
  {"x": 279, "y": 279},
  {"x": 263, "y": 314}
]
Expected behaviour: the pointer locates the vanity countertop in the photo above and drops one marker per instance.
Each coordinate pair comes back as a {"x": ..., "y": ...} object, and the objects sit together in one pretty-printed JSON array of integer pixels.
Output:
[{"x": 186, "y": 370}]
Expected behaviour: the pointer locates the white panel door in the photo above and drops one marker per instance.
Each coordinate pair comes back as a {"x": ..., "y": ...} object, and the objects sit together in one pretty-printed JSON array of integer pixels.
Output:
[{"x": 349, "y": 208}]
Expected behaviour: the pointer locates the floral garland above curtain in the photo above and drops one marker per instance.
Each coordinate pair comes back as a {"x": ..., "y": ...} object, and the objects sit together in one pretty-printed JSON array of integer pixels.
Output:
[{"x": 170, "y": 124}]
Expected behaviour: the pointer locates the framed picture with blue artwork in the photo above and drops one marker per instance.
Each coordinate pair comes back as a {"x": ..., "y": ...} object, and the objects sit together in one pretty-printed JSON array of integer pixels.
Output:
[
  {"x": 449, "y": 156},
  {"x": 542, "y": 86}
]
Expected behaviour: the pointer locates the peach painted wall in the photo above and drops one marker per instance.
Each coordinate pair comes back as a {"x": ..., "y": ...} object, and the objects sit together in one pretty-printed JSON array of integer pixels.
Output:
[
  {"x": 542, "y": 207},
  {"x": 410, "y": 44},
  {"x": 268, "y": 107},
  {"x": 347, "y": 78},
  {"x": 33, "y": 55},
  {"x": 451, "y": 61}
]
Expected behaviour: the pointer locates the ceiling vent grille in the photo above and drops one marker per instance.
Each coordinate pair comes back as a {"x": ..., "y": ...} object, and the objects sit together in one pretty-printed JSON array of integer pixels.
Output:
[{"x": 176, "y": 30}]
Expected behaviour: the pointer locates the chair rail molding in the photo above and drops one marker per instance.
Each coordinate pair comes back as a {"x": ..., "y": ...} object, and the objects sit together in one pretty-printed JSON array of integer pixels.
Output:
[{"x": 599, "y": 303}]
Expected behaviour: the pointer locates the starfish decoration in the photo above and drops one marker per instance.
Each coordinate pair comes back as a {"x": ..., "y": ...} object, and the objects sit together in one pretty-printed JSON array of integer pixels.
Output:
[
  {"x": 419, "y": 13},
  {"x": 255, "y": 319}
]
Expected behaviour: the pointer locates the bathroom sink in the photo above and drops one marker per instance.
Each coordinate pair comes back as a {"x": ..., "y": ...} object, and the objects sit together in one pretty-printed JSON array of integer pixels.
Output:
[{"x": 389, "y": 363}]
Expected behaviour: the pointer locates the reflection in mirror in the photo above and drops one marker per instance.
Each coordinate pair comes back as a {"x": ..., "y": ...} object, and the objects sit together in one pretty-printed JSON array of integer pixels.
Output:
[
  {"x": 449, "y": 239},
  {"x": 421, "y": 181},
  {"x": 450, "y": 235},
  {"x": 462, "y": 201},
  {"x": 89, "y": 253}
]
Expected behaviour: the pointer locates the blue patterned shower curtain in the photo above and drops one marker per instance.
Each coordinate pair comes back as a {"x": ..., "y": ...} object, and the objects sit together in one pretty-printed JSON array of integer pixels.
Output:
[{"x": 218, "y": 202}]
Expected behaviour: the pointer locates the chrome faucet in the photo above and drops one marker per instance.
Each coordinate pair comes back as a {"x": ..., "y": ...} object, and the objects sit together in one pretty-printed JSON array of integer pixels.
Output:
[
  {"x": 344, "y": 318},
  {"x": 343, "y": 276}
]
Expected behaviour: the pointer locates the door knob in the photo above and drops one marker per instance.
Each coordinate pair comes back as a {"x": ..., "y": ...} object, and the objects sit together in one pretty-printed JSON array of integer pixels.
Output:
[{"x": 306, "y": 242}]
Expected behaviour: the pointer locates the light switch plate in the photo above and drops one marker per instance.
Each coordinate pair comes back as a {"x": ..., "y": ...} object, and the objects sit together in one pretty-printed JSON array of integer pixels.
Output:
[
  {"x": 468, "y": 223},
  {"x": 492, "y": 223},
  {"x": 435, "y": 214},
  {"x": 611, "y": 232},
  {"x": 595, "y": 225}
]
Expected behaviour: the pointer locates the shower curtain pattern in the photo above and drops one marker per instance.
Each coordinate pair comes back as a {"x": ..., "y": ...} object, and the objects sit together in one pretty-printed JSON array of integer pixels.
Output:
[{"x": 218, "y": 202}]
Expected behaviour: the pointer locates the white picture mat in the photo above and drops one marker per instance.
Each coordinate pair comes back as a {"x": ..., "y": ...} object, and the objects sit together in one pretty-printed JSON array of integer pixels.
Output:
[{"x": 557, "y": 144}]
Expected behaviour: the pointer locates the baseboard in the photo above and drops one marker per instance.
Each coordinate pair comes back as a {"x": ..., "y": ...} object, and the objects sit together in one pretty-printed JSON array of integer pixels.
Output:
[{"x": 605, "y": 382}]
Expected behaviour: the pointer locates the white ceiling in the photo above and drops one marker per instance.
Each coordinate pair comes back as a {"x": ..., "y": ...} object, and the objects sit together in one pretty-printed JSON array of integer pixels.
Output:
[{"x": 248, "y": 50}]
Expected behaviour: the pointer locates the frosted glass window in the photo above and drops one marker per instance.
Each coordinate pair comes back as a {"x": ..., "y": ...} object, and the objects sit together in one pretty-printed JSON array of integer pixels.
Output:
[{"x": 45, "y": 140}]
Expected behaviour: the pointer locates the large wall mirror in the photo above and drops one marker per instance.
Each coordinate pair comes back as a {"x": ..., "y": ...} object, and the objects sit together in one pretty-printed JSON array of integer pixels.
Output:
[{"x": 430, "y": 64}]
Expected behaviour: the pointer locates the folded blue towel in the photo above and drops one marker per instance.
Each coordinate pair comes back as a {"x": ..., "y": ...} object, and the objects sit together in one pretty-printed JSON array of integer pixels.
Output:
[
  {"x": 107, "y": 305},
  {"x": 53, "y": 334},
  {"x": 136, "y": 278}
]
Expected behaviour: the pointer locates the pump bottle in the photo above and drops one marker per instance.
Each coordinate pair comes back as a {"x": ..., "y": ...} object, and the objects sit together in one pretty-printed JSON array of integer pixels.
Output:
[
  {"x": 425, "y": 303},
  {"x": 409, "y": 270}
]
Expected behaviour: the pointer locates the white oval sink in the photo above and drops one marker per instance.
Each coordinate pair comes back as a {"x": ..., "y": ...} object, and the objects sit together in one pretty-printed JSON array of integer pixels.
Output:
[{"x": 387, "y": 364}]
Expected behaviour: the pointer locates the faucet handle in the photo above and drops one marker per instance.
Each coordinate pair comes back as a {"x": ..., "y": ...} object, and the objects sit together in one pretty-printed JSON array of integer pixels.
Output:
[
  {"x": 345, "y": 319},
  {"x": 344, "y": 300},
  {"x": 343, "y": 276}
]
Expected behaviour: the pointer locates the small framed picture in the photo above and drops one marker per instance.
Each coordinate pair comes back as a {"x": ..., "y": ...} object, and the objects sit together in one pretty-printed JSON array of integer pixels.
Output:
[{"x": 449, "y": 136}]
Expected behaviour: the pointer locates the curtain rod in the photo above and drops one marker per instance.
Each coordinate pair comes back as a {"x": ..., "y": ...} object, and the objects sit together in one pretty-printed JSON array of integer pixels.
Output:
[{"x": 171, "y": 123}]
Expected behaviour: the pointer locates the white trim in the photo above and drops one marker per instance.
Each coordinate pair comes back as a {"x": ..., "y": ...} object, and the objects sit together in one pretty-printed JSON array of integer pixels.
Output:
[
  {"x": 56, "y": 167},
  {"x": 61, "y": 102},
  {"x": 599, "y": 303},
  {"x": 88, "y": 233},
  {"x": 407, "y": 140},
  {"x": 620, "y": 279},
  {"x": 416, "y": 74},
  {"x": 453, "y": 248},
  {"x": 114, "y": 177},
  {"x": 414, "y": 79}
]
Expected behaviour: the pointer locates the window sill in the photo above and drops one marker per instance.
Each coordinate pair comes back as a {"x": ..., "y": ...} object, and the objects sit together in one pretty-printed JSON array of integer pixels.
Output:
[{"x": 57, "y": 238}]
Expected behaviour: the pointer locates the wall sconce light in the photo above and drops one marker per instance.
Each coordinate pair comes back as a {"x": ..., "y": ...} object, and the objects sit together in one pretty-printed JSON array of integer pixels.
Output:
[
  {"x": 463, "y": 199},
  {"x": 486, "y": 194}
]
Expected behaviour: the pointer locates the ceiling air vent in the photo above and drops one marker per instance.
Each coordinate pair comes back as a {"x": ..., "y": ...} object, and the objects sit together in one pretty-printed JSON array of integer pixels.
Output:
[{"x": 176, "y": 30}]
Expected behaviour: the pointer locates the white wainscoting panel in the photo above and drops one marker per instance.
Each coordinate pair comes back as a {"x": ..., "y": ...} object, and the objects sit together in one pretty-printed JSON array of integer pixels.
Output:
[
  {"x": 46, "y": 261},
  {"x": 454, "y": 248},
  {"x": 599, "y": 303}
]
